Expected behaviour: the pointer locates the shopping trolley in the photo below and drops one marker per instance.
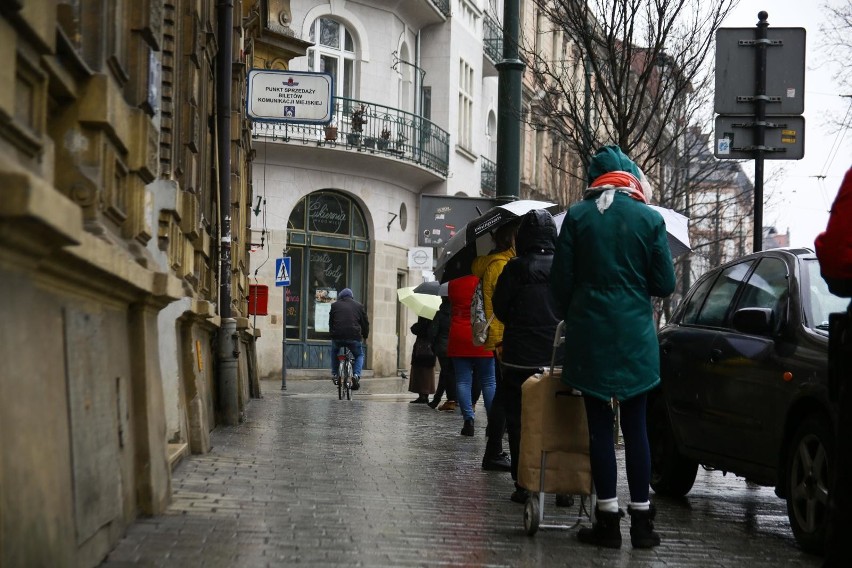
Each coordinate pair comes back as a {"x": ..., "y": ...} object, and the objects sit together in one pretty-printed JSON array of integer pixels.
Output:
[{"x": 554, "y": 453}]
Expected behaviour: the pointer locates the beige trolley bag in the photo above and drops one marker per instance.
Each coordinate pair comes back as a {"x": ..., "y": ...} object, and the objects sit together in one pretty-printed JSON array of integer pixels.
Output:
[{"x": 554, "y": 453}]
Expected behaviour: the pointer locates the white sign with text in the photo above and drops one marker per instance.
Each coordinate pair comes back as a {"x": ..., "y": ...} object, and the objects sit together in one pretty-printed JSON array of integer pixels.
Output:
[{"x": 290, "y": 96}]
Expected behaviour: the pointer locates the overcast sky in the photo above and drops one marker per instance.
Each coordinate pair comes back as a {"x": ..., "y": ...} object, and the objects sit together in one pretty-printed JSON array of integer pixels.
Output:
[{"x": 796, "y": 198}]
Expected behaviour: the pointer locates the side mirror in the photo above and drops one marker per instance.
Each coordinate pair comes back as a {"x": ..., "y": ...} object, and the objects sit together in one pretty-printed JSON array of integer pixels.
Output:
[{"x": 755, "y": 321}]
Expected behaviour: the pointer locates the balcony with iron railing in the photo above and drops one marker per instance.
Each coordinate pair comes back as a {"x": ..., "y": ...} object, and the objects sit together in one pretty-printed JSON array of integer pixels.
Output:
[
  {"x": 362, "y": 126},
  {"x": 492, "y": 39},
  {"x": 443, "y": 6},
  {"x": 488, "y": 181}
]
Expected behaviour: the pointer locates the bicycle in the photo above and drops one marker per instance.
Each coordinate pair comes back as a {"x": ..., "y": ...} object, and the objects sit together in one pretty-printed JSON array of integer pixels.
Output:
[{"x": 345, "y": 374}]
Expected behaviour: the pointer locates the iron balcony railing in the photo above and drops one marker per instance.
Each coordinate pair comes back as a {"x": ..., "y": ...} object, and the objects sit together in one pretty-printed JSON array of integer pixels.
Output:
[
  {"x": 492, "y": 39},
  {"x": 488, "y": 182},
  {"x": 443, "y": 6},
  {"x": 375, "y": 128}
]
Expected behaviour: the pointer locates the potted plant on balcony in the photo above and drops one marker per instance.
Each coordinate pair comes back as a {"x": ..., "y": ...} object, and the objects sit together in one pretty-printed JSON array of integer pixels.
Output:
[
  {"x": 357, "y": 121},
  {"x": 384, "y": 138},
  {"x": 331, "y": 131}
]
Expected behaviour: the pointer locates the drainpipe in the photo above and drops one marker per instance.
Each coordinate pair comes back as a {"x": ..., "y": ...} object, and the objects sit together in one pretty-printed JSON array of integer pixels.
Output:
[
  {"x": 417, "y": 86},
  {"x": 228, "y": 337}
]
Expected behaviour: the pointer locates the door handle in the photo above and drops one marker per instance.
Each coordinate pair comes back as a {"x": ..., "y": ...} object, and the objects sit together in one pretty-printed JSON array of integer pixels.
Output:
[{"x": 715, "y": 355}]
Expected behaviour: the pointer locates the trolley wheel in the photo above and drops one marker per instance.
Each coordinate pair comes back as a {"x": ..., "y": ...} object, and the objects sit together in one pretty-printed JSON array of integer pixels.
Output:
[{"x": 531, "y": 515}]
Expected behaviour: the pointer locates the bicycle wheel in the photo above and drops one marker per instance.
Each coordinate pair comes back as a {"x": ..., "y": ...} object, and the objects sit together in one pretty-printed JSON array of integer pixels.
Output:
[
  {"x": 349, "y": 379},
  {"x": 341, "y": 379}
]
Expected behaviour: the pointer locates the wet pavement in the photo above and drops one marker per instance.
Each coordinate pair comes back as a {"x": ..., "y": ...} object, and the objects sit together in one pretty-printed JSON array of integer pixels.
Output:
[{"x": 310, "y": 480}]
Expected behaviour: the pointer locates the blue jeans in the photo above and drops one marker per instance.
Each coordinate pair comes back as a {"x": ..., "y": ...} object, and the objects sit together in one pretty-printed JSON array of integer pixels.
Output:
[
  {"x": 355, "y": 347},
  {"x": 465, "y": 368}
]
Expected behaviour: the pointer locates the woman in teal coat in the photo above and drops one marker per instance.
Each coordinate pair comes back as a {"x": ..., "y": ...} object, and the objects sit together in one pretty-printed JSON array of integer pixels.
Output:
[{"x": 612, "y": 256}]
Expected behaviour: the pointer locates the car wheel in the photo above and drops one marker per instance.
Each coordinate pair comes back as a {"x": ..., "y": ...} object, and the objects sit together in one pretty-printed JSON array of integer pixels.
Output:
[
  {"x": 671, "y": 473},
  {"x": 809, "y": 464}
]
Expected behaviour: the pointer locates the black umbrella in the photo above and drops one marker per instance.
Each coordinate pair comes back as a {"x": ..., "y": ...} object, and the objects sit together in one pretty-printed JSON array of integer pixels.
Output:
[
  {"x": 431, "y": 287},
  {"x": 474, "y": 239}
]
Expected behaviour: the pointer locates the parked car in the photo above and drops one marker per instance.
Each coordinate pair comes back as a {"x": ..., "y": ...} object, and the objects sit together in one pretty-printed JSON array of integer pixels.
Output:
[{"x": 744, "y": 364}]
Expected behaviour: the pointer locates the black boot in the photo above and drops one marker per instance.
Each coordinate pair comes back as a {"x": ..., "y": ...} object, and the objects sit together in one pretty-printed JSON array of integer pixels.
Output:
[
  {"x": 605, "y": 531},
  {"x": 642, "y": 533}
]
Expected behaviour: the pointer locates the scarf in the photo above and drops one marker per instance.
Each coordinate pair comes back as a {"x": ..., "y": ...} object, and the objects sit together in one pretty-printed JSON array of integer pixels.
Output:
[{"x": 604, "y": 188}]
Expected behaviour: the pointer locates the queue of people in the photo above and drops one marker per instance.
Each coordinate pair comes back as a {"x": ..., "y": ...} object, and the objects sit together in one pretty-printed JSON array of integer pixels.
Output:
[{"x": 599, "y": 275}]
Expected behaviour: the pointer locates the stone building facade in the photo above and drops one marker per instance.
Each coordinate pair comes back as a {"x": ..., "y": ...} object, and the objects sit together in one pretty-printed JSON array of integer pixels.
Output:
[{"x": 112, "y": 244}]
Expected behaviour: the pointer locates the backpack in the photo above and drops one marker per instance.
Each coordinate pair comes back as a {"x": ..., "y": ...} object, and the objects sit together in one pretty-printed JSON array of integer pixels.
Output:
[{"x": 478, "y": 322}]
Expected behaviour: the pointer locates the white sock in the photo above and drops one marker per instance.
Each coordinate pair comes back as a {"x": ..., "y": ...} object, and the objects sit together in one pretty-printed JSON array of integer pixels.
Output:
[
  {"x": 608, "y": 505},
  {"x": 644, "y": 506}
]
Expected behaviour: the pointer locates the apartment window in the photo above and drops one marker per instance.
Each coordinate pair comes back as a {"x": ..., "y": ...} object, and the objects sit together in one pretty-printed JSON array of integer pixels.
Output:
[
  {"x": 465, "y": 105},
  {"x": 538, "y": 156},
  {"x": 468, "y": 14},
  {"x": 333, "y": 53},
  {"x": 426, "y": 103}
]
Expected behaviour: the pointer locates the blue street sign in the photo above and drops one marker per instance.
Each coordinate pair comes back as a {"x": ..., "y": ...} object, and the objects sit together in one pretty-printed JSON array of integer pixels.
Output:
[{"x": 282, "y": 271}]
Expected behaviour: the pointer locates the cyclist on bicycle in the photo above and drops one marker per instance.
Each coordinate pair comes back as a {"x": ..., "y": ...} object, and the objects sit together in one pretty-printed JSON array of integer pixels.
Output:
[{"x": 347, "y": 325}]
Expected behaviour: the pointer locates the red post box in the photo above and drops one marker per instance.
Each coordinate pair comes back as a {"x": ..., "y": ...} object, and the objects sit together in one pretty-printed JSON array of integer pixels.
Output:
[{"x": 258, "y": 299}]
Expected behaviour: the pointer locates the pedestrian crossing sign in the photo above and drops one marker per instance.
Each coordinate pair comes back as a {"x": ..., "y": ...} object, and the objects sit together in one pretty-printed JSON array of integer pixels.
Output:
[{"x": 282, "y": 271}]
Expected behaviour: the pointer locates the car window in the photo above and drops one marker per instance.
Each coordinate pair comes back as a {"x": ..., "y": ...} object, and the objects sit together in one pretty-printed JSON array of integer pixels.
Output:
[
  {"x": 820, "y": 302},
  {"x": 767, "y": 287},
  {"x": 720, "y": 295},
  {"x": 693, "y": 305}
]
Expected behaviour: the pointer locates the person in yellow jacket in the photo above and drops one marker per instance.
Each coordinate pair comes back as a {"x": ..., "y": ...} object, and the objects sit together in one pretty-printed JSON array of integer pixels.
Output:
[{"x": 488, "y": 269}]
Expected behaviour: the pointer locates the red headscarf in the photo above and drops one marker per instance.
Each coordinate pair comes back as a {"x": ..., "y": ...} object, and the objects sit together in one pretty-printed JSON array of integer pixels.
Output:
[{"x": 624, "y": 181}]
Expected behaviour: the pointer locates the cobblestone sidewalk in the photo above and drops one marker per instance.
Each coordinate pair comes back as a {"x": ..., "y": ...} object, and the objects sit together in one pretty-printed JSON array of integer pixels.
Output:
[{"x": 313, "y": 481}]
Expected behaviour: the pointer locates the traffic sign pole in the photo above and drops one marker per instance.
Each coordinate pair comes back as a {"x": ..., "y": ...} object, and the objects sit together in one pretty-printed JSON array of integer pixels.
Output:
[
  {"x": 282, "y": 278},
  {"x": 284, "y": 342},
  {"x": 760, "y": 128}
]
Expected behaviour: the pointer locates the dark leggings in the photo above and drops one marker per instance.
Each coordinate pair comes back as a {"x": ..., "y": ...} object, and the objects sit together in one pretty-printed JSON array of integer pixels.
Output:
[
  {"x": 446, "y": 380},
  {"x": 602, "y": 447}
]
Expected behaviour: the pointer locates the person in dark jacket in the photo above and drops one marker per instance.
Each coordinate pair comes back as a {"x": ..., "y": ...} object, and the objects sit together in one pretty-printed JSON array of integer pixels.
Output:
[
  {"x": 524, "y": 303},
  {"x": 348, "y": 325},
  {"x": 439, "y": 332},
  {"x": 612, "y": 255},
  {"x": 422, "y": 378}
]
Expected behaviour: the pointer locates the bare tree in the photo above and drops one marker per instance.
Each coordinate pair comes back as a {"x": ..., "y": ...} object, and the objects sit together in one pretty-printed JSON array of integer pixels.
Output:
[
  {"x": 625, "y": 69},
  {"x": 837, "y": 27}
]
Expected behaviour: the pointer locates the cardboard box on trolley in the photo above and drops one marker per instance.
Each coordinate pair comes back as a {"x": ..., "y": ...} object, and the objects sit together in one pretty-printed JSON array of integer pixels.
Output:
[{"x": 553, "y": 420}]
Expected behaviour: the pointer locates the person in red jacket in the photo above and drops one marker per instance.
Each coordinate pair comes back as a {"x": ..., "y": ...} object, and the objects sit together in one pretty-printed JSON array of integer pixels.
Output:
[
  {"x": 834, "y": 251},
  {"x": 469, "y": 360},
  {"x": 834, "y": 245}
]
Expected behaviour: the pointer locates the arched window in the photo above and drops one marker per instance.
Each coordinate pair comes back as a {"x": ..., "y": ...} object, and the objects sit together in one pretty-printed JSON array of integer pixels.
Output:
[
  {"x": 328, "y": 247},
  {"x": 406, "y": 80},
  {"x": 333, "y": 53},
  {"x": 491, "y": 135}
]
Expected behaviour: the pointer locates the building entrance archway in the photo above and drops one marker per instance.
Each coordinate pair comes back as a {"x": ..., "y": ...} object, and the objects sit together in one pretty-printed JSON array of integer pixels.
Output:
[{"x": 329, "y": 246}]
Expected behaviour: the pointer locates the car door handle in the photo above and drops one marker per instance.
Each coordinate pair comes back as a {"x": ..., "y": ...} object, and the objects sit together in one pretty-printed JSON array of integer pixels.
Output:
[{"x": 715, "y": 355}]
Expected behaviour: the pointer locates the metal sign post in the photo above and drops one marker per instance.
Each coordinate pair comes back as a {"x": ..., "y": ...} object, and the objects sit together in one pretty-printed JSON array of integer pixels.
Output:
[{"x": 282, "y": 278}]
